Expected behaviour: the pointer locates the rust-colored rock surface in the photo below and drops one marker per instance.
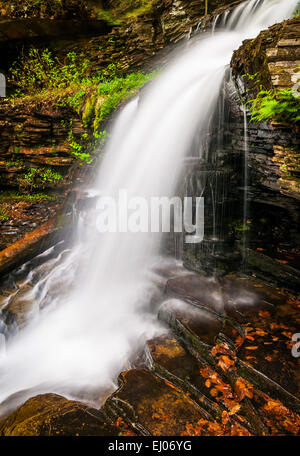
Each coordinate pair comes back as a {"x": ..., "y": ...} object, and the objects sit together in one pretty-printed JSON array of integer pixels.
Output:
[{"x": 32, "y": 244}]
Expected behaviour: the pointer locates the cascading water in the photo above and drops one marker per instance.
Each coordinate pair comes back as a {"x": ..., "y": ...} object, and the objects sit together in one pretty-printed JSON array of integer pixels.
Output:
[{"x": 81, "y": 340}]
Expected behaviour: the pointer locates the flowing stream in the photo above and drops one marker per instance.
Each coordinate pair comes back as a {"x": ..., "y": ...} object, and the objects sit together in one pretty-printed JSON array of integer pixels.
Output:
[{"x": 80, "y": 339}]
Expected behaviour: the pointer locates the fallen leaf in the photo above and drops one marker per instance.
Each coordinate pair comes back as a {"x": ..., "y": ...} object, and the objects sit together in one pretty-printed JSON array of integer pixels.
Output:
[
  {"x": 225, "y": 417},
  {"x": 243, "y": 389},
  {"x": 207, "y": 383},
  {"x": 214, "y": 392},
  {"x": 265, "y": 313},
  {"x": 225, "y": 362}
]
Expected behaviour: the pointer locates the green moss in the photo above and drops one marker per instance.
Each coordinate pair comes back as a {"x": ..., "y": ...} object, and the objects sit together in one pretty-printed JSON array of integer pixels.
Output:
[
  {"x": 4, "y": 216},
  {"x": 89, "y": 111},
  {"x": 238, "y": 226},
  {"x": 14, "y": 164},
  {"x": 12, "y": 195},
  {"x": 117, "y": 91}
]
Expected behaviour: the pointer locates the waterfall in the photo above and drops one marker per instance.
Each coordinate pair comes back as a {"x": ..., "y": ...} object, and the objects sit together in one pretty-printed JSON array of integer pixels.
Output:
[
  {"x": 246, "y": 160},
  {"x": 83, "y": 338}
]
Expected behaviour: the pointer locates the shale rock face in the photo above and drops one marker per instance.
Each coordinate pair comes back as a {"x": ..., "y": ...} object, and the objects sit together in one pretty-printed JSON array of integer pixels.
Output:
[
  {"x": 275, "y": 57},
  {"x": 257, "y": 166},
  {"x": 35, "y": 136}
]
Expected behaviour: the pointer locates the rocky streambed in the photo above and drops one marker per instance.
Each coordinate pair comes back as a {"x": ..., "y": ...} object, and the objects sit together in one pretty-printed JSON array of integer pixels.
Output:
[
  {"x": 223, "y": 365},
  {"x": 226, "y": 362}
]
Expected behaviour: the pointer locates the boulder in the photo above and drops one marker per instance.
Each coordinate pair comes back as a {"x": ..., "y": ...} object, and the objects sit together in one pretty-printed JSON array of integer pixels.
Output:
[{"x": 54, "y": 415}]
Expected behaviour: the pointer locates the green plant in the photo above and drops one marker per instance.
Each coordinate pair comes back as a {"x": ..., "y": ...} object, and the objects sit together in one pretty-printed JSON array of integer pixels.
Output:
[
  {"x": 238, "y": 226},
  {"x": 49, "y": 176},
  {"x": 280, "y": 105},
  {"x": 296, "y": 13},
  {"x": 12, "y": 195},
  {"x": 38, "y": 178},
  {"x": 76, "y": 149},
  {"x": 4, "y": 217},
  {"x": 39, "y": 69},
  {"x": 14, "y": 164},
  {"x": 117, "y": 90}
]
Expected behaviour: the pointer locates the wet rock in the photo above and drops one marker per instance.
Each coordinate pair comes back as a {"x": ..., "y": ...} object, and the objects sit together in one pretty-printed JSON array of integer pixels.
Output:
[
  {"x": 199, "y": 290},
  {"x": 8, "y": 323},
  {"x": 152, "y": 405},
  {"x": 169, "y": 359},
  {"x": 274, "y": 56},
  {"x": 22, "y": 29},
  {"x": 53, "y": 415},
  {"x": 263, "y": 358},
  {"x": 281, "y": 273},
  {"x": 33, "y": 243}
]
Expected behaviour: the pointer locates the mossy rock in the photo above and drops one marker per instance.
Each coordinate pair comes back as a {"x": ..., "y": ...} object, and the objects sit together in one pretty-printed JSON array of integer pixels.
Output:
[{"x": 53, "y": 415}]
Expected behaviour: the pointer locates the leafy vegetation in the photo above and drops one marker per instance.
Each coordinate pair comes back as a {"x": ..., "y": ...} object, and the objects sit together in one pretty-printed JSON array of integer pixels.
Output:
[
  {"x": 4, "y": 217},
  {"x": 13, "y": 195},
  {"x": 279, "y": 105},
  {"x": 118, "y": 90},
  {"x": 35, "y": 178},
  {"x": 46, "y": 8},
  {"x": 40, "y": 70},
  {"x": 71, "y": 84}
]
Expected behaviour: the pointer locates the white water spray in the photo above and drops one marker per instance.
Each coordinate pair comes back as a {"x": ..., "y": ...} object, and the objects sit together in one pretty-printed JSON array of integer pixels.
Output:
[{"x": 81, "y": 341}]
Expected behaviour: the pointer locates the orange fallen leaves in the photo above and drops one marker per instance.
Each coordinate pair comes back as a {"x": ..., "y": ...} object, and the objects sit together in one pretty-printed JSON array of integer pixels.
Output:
[
  {"x": 255, "y": 347},
  {"x": 208, "y": 383},
  {"x": 294, "y": 303},
  {"x": 264, "y": 314},
  {"x": 220, "y": 348},
  {"x": 225, "y": 363},
  {"x": 237, "y": 430},
  {"x": 268, "y": 358},
  {"x": 225, "y": 417},
  {"x": 243, "y": 389},
  {"x": 282, "y": 261},
  {"x": 204, "y": 427},
  {"x": 214, "y": 392},
  {"x": 239, "y": 341},
  {"x": 120, "y": 423},
  {"x": 261, "y": 332},
  {"x": 284, "y": 417},
  {"x": 275, "y": 407}
]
